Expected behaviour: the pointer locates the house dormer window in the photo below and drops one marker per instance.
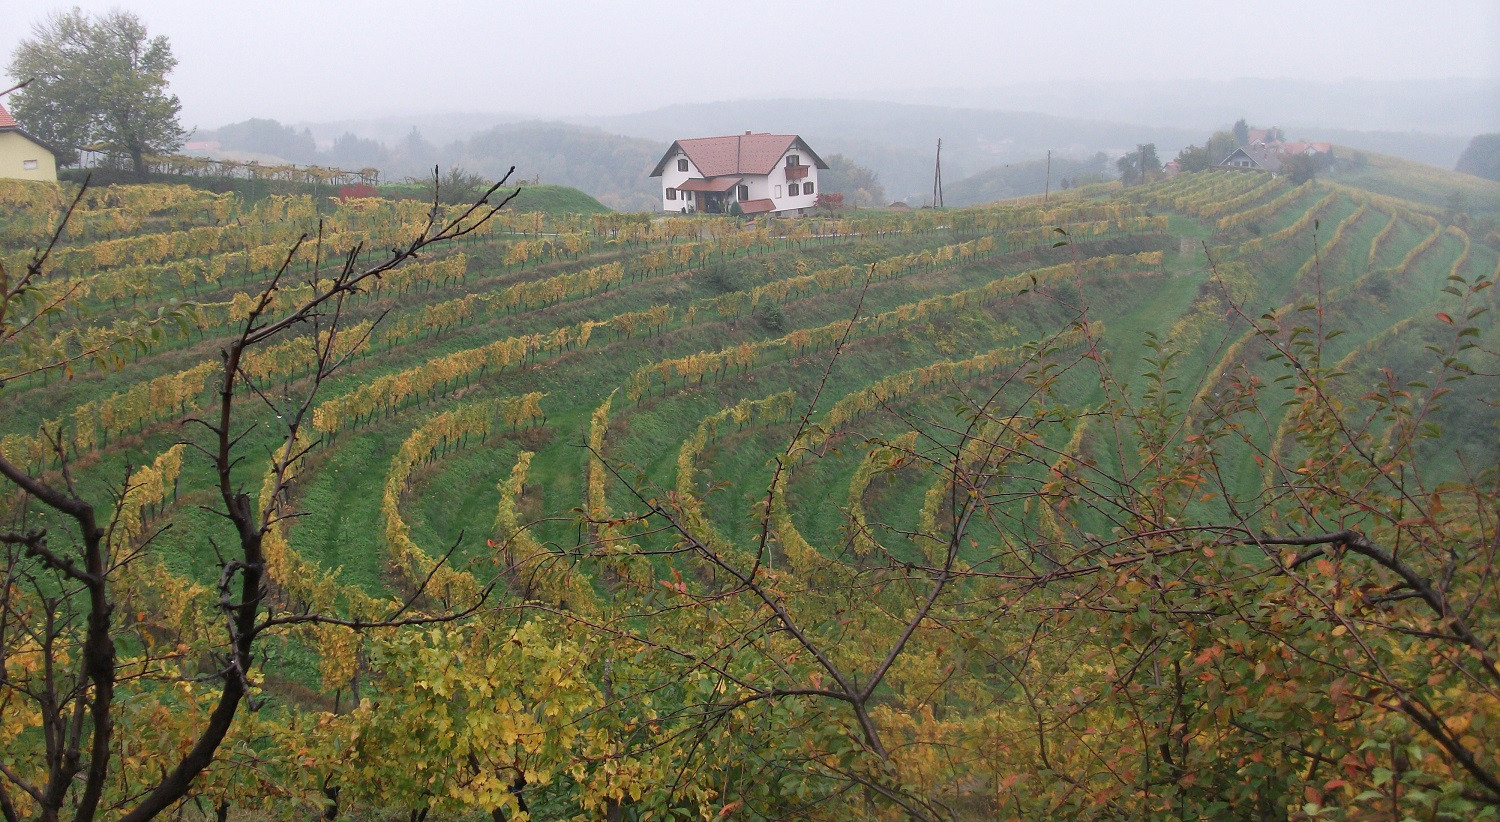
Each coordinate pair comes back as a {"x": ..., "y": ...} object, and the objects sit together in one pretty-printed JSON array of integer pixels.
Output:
[
  {"x": 793, "y": 160},
  {"x": 682, "y": 164}
]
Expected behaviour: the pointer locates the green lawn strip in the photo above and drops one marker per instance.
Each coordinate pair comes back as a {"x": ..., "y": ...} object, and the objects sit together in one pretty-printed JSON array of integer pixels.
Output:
[
  {"x": 453, "y": 501},
  {"x": 1284, "y": 216},
  {"x": 867, "y": 363},
  {"x": 545, "y": 377}
]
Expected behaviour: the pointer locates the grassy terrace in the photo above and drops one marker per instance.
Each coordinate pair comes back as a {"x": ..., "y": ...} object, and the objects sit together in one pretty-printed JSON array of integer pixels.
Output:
[
  {"x": 453, "y": 498},
  {"x": 1152, "y": 364}
]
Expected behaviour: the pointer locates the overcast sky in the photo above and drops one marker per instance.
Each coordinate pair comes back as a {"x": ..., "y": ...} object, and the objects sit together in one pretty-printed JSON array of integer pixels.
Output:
[{"x": 319, "y": 59}]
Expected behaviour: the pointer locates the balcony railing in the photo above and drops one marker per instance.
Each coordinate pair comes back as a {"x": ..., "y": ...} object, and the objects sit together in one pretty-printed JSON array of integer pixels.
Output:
[{"x": 796, "y": 172}]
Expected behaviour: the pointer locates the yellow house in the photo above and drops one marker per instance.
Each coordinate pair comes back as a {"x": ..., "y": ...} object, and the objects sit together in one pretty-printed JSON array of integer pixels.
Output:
[{"x": 23, "y": 157}]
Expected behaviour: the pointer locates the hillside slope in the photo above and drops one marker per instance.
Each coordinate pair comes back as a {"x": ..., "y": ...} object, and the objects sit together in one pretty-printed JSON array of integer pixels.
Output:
[
  {"x": 1418, "y": 182},
  {"x": 1137, "y": 502}
]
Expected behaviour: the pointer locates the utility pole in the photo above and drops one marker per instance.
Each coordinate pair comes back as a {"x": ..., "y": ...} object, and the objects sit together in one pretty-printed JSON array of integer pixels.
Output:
[
  {"x": 1047, "y": 193},
  {"x": 937, "y": 177}
]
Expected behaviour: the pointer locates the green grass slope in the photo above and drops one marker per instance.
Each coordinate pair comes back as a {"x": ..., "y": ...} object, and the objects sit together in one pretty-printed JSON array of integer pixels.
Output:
[
  {"x": 1417, "y": 182},
  {"x": 631, "y": 361},
  {"x": 703, "y": 277}
]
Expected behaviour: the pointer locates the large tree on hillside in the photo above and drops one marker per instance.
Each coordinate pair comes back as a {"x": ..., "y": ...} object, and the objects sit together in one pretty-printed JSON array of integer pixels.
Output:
[
  {"x": 1193, "y": 158},
  {"x": 98, "y": 82},
  {"x": 265, "y": 136},
  {"x": 1241, "y": 132},
  {"x": 1139, "y": 166},
  {"x": 1221, "y": 145},
  {"x": 1482, "y": 157},
  {"x": 861, "y": 185}
]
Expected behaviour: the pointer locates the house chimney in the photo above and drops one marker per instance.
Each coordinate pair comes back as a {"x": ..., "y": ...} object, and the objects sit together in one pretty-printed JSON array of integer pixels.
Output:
[{"x": 747, "y": 133}]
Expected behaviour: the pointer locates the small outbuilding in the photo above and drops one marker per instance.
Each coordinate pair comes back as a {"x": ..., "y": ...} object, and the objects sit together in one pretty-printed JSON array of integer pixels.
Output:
[{"x": 22, "y": 156}]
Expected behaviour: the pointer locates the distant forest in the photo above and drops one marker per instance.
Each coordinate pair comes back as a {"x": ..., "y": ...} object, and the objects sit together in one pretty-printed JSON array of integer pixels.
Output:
[{"x": 879, "y": 152}]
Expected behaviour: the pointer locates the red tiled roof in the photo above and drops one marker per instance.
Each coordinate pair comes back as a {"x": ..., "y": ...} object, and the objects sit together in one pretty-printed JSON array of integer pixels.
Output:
[
  {"x": 737, "y": 153},
  {"x": 740, "y": 154},
  {"x": 8, "y": 123},
  {"x": 716, "y": 184},
  {"x": 757, "y": 206}
]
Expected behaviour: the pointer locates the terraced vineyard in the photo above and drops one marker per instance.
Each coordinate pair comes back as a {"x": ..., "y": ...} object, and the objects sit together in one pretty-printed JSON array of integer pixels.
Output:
[{"x": 930, "y": 514}]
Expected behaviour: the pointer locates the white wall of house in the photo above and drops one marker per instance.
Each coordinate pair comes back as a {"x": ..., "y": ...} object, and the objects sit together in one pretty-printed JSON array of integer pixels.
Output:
[
  {"x": 671, "y": 178},
  {"x": 22, "y": 159},
  {"x": 786, "y": 202},
  {"x": 759, "y": 184}
]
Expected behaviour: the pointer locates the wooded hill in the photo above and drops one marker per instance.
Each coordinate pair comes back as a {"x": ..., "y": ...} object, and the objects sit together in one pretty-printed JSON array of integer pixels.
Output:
[{"x": 1173, "y": 500}]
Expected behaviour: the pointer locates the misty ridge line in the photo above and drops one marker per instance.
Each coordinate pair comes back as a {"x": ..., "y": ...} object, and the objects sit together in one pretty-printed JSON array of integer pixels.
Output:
[{"x": 610, "y": 156}]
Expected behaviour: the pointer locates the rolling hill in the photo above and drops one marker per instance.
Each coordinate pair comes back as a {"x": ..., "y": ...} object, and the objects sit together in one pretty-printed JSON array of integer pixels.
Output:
[{"x": 942, "y": 510}]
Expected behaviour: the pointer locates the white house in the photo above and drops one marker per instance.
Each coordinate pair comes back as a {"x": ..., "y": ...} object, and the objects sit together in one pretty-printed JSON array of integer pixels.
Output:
[
  {"x": 774, "y": 174},
  {"x": 23, "y": 157},
  {"x": 1255, "y": 156}
]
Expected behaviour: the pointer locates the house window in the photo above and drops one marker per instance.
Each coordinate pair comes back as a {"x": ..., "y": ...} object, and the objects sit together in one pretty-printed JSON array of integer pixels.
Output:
[
  {"x": 29, "y": 165},
  {"x": 682, "y": 164},
  {"x": 793, "y": 160},
  {"x": 744, "y": 193},
  {"x": 671, "y": 194},
  {"x": 792, "y": 190},
  {"x": 778, "y": 192},
  {"x": 807, "y": 187}
]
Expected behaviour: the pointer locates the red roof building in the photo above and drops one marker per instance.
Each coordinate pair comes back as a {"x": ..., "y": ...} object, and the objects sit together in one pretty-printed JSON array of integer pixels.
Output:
[
  {"x": 1266, "y": 151},
  {"x": 22, "y": 156},
  {"x": 750, "y": 173}
]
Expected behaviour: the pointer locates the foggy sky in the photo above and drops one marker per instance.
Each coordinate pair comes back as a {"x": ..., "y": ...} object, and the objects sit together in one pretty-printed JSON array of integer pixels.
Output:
[{"x": 297, "y": 60}]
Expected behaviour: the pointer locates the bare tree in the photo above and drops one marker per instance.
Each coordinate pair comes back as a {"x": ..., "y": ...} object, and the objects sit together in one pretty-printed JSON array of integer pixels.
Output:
[{"x": 58, "y": 602}]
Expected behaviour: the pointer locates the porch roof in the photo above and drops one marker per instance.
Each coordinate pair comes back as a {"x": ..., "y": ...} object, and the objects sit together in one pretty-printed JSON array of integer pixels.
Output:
[{"x": 715, "y": 184}]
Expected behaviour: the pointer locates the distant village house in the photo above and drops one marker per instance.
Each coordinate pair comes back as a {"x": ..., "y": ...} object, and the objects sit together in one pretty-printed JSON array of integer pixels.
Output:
[
  {"x": 1266, "y": 151},
  {"x": 23, "y": 157},
  {"x": 1257, "y": 157},
  {"x": 750, "y": 173}
]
